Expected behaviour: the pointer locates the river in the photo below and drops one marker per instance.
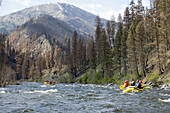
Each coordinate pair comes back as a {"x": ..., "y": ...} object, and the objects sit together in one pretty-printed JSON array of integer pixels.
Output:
[{"x": 80, "y": 98}]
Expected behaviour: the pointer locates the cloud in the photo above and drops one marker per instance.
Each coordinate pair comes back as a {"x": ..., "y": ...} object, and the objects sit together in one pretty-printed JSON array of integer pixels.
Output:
[
  {"x": 108, "y": 13},
  {"x": 24, "y": 2},
  {"x": 146, "y": 3},
  {"x": 93, "y": 6}
]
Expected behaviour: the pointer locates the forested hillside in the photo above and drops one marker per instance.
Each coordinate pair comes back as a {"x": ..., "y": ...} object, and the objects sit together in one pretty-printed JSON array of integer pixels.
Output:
[{"x": 138, "y": 48}]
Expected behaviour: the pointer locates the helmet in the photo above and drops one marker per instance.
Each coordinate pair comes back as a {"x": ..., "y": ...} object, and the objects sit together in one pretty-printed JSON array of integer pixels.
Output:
[
  {"x": 126, "y": 81},
  {"x": 140, "y": 81},
  {"x": 137, "y": 80}
]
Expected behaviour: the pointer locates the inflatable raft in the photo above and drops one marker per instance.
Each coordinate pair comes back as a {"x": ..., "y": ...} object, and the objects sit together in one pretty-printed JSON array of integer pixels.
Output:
[
  {"x": 133, "y": 88},
  {"x": 49, "y": 83}
]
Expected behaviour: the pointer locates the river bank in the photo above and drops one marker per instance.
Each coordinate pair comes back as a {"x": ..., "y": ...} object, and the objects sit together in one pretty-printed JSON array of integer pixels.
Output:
[{"x": 4, "y": 84}]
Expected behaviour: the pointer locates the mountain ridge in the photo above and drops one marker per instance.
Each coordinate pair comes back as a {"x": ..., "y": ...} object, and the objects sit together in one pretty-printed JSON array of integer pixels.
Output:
[
  {"x": 38, "y": 34},
  {"x": 62, "y": 11}
]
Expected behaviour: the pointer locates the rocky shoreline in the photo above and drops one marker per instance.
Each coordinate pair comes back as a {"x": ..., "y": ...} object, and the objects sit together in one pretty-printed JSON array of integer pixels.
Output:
[{"x": 4, "y": 84}]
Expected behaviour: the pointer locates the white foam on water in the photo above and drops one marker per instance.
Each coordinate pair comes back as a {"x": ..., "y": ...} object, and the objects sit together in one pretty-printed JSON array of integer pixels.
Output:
[
  {"x": 58, "y": 96},
  {"x": 164, "y": 100},
  {"x": 47, "y": 86},
  {"x": 28, "y": 92},
  {"x": 161, "y": 94},
  {"x": 52, "y": 90},
  {"x": 2, "y": 91},
  {"x": 47, "y": 91},
  {"x": 3, "y": 88},
  {"x": 39, "y": 91},
  {"x": 52, "y": 86},
  {"x": 43, "y": 86}
]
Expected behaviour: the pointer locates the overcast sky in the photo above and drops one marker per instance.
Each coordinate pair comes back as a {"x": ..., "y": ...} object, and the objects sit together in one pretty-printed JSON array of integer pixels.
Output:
[{"x": 103, "y": 8}]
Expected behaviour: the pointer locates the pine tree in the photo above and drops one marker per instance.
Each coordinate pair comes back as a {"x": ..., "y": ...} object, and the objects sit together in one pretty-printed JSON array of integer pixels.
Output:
[
  {"x": 39, "y": 65},
  {"x": 140, "y": 48},
  {"x": 156, "y": 16},
  {"x": 74, "y": 53},
  {"x": 164, "y": 27},
  {"x": 2, "y": 49},
  {"x": 59, "y": 65},
  {"x": 84, "y": 57},
  {"x": 109, "y": 32},
  {"x": 92, "y": 54},
  {"x": 68, "y": 56},
  {"x": 18, "y": 68},
  {"x": 105, "y": 59},
  {"x": 25, "y": 65},
  {"x": 132, "y": 11},
  {"x": 117, "y": 46},
  {"x": 124, "y": 39},
  {"x": 97, "y": 37},
  {"x": 56, "y": 56},
  {"x": 139, "y": 8},
  {"x": 131, "y": 50},
  {"x": 113, "y": 23},
  {"x": 79, "y": 54},
  {"x": 149, "y": 31},
  {"x": 32, "y": 71},
  {"x": 51, "y": 59}
]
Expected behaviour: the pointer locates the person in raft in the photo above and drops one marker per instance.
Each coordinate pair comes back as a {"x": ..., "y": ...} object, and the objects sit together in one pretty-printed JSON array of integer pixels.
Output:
[
  {"x": 138, "y": 84},
  {"x": 126, "y": 84},
  {"x": 132, "y": 83},
  {"x": 142, "y": 85}
]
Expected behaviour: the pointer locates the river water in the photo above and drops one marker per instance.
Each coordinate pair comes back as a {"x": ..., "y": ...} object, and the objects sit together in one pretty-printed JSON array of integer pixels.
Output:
[{"x": 79, "y": 98}]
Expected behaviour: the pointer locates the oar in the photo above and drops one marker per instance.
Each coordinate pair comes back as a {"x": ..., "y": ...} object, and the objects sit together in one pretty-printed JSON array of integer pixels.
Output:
[
  {"x": 147, "y": 87},
  {"x": 121, "y": 87}
]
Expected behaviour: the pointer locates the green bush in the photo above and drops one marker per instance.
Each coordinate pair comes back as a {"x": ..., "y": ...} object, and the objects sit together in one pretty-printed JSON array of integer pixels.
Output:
[
  {"x": 40, "y": 79},
  {"x": 84, "y": 79},
  {"x": 61, "y": 79},
  {"x": 96, "y": 78},
  {"x": 69, "y": 79},
  {"x": 104, "y": 80},
  {"x": 79, "y": 80},
  {"x": 153, "y": 77},
  {"x": 113, "y": 80}
]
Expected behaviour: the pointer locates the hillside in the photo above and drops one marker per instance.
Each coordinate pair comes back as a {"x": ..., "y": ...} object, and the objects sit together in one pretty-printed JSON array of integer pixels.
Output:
[
  {"x": 38, "y": 34},
  {"x": 79, "y": 19}
]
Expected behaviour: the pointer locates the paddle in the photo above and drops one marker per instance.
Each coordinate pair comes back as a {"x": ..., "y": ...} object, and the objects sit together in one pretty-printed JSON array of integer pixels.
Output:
[
  {"x": 121, "y": 87},
  {"x": 147, "y": 87}
]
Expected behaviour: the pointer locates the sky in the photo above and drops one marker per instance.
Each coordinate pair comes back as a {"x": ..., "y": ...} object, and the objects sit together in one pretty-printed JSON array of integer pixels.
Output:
[{"x": 103, "y": 8}]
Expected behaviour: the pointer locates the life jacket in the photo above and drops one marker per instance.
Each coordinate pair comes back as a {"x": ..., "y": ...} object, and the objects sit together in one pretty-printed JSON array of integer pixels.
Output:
[
  {"x": 142, "y": 85},
  {"x": 132, "y": 83},
  {"x": 139, "y": 85},
  {"x": 126, "y": 84}
]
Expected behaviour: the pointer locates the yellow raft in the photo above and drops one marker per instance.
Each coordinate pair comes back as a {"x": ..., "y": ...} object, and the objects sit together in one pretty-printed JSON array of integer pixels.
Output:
[
  {"x": 133, "y": 88},
  {"x": 49, "y": 83}
]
